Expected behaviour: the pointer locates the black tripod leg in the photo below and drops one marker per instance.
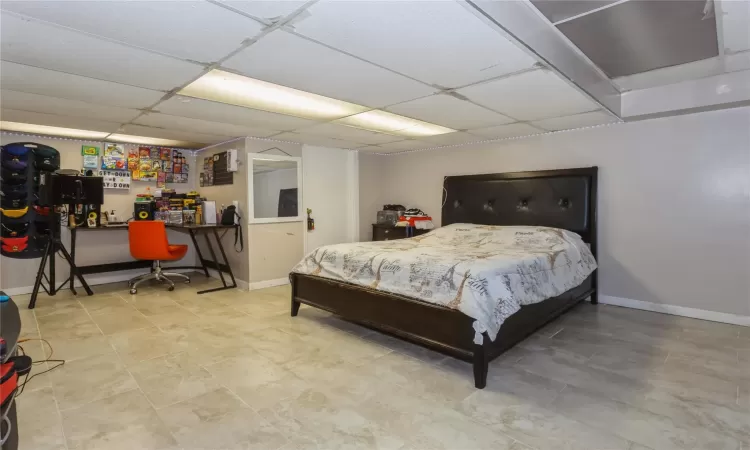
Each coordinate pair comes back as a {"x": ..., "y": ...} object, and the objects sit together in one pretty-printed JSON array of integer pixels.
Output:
[
  {"x": 74, "y": 270},
  {"x": 40, "y": 274}
]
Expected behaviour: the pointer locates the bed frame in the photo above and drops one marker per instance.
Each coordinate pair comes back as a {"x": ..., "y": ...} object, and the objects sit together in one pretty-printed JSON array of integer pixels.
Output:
[{"x": 556, "y": 198}]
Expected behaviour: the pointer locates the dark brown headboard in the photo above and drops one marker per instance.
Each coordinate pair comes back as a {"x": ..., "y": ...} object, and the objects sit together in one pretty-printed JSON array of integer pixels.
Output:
[{"x": 554, "y": 198}]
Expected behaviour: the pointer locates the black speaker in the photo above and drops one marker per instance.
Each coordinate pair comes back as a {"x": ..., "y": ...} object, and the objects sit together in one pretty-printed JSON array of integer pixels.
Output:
[{"x": 143, "y": 210}]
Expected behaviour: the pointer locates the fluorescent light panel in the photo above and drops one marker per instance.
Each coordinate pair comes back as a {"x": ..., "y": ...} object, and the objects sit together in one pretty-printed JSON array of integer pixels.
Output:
[
  {"x": 226, "y": 87},
  {"x": 51, "y": 131},
  {"x": 129, "y": 138},
  {"x": 390, "y": 123}
]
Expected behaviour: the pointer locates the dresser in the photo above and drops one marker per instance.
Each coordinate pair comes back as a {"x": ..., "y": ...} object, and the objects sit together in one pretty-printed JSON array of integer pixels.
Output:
[{"x": 382, "y": 232}]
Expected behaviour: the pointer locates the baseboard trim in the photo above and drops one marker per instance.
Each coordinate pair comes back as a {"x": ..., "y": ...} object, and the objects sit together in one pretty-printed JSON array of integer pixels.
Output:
[
  {"x": 241, "y": 284},
  {"x": 92, "y": 281},
  {"x": 269, "y": 283},
  {"x": 694, "y": 313}
]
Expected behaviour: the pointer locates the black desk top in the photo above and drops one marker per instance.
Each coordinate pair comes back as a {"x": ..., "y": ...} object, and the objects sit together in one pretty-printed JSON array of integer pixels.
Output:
[{"x": 184, "y": 227}]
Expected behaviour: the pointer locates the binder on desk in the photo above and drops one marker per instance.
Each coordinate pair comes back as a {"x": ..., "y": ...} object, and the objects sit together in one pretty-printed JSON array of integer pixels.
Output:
[{"x": 209, "y": 212}]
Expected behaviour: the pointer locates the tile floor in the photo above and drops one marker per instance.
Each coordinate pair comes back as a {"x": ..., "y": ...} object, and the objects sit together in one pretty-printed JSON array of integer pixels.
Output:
[{"x": 232, "y": 370}]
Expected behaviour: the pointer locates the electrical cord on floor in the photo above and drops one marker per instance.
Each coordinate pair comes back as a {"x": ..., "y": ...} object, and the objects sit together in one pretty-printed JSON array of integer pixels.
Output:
[{"x": 47, "y": 359}]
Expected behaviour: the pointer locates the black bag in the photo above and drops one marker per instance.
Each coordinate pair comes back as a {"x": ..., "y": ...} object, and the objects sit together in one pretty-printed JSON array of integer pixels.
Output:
[{"x": 227, "y": 218}]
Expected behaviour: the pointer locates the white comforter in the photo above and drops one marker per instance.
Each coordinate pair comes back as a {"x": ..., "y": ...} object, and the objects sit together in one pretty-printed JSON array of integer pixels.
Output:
[{"x": 486, "y": 272}]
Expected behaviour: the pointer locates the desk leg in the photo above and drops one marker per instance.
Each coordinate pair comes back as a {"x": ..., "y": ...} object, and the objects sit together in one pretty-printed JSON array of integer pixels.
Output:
[
  {"x": 224, "y": 255},
  {"x": 73, "y": 234},
  {"x": 198, "y": 250},
  {"x": 226, "y": 263}
]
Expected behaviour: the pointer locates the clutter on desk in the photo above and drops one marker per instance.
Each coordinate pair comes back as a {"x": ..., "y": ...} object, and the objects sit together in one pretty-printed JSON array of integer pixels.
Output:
[
  {"x": 399, "y": 216},
  {"x": 172, "y": 207},
  {"x": 415, "y": 218},
  {"x": 24, "y": 228}
]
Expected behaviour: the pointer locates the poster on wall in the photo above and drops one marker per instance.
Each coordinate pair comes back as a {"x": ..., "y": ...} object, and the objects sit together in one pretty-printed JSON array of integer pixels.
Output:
[
  {"x": 133, "y": 157},
  {"x": 114, "y": 157},
  {"x": 161, "y": 180},
  {"x": 115, "y": 179},
  {"x": 148, "y": 175},
  {"x": 90, "y": 157}
]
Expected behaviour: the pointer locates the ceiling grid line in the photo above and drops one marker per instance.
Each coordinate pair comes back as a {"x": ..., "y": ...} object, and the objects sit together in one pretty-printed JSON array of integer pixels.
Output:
[
  {"x": 245, "y": 44},
  {"x": 100, "y": 37},
  {"x": 584, "y": 14}
]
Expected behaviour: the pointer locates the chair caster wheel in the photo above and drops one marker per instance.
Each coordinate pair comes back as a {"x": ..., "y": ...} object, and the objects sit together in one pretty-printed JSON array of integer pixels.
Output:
[
  {"x": 133, "y": 291},
  {"x": 170, "y": 288}
]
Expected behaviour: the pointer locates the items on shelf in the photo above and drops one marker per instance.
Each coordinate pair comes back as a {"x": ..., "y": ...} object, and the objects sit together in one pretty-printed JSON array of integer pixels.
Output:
[{"x": 24, "y": 229}]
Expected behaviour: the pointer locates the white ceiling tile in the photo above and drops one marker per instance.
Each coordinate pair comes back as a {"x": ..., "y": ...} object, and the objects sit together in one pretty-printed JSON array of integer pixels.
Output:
[
  {"x": 53, "y": 105},
  {"x": 201, "y": 126},
  {"x": 575, "y": 121},
  {"x": 221, "y": 112},
  {"x": 18, "y": 77},
  {"x": 54, "y": 120},
  {"x": 312, "y": 139},
  {"x": 335, "y": 131},
  {"x": 436, "y": 42},
  {"x": 458, "y": 137},
  {"x": 530, "y": 96},
  {"x": 266, "y": 10},
  {"x": 507, "y": 131},
  {"x": 292, "y": 61},
  {"x": 195, "y": 30},
  {"x": 141, "y": 130},
  {"x": 450, "y": 112},
  {"x": 51, "y": 47}
]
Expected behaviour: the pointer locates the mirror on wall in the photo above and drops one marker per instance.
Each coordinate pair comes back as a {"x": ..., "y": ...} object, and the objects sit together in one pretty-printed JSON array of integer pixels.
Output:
[{"x": 275, "y": 187}]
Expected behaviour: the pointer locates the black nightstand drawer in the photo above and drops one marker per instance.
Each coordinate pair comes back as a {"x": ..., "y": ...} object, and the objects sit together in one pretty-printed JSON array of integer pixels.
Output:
[{"x": 389, "y": 233}]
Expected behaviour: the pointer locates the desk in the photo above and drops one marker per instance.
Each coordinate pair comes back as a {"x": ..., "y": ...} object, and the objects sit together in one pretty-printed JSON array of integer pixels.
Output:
[{"x": 193, "y": 230}]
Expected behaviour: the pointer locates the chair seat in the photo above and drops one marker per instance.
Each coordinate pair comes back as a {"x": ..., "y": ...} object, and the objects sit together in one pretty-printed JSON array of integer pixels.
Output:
[{"x": 178, "y": 251}]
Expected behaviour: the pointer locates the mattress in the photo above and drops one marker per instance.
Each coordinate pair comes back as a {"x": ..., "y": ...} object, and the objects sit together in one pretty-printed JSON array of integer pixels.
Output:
[{"x": 486, "y": 272}]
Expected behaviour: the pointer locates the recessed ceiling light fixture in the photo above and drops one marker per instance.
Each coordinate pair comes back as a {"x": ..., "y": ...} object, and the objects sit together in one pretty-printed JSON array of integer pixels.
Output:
[
  {"x": 226, "y": 87},
  {"x": 51, "y": 131},
  {"x": 233, "y": 89},
  {"x": 390, "y": 123}
]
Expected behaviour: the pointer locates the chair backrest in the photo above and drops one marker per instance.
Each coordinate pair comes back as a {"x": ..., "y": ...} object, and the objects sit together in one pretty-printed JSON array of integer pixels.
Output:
[{"x": 148, "y": 240}]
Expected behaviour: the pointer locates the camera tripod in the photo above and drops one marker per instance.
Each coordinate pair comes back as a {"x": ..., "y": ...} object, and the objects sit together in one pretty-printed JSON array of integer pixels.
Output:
[{"x": 54, "y": 245}]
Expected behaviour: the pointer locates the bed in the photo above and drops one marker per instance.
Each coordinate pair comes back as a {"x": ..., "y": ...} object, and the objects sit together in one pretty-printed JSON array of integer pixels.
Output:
[{"x": 559, "y": 199}]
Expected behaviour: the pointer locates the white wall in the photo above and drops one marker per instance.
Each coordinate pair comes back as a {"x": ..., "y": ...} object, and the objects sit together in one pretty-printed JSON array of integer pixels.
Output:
[
  {"x": 674, "y": 200},
  {"x": 266, "y": 188},
  {"x": 17, "y": 275},
  {"x": 329, "y": 178}
]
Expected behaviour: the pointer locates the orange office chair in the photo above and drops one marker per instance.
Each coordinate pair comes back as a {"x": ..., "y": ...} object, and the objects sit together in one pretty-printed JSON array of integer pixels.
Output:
[{"x": 148, "y": 240}]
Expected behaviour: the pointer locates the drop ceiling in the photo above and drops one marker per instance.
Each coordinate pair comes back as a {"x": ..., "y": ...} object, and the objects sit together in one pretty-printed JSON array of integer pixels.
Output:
[{"x": 117, "y": 67}]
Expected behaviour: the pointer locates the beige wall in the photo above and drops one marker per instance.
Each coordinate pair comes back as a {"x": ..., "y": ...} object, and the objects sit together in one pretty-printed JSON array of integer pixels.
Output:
[
  {"x": 371, "y": 193},
  {"x": 224, "y": 195},
  {"x": 674, "y": 200},
  {"x": 92, "y": 248},
  {"x": 271, "y": 250}
]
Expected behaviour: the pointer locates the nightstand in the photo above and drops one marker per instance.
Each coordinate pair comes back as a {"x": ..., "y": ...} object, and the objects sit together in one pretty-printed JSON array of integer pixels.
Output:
[{"x": 382, "y": 232}]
